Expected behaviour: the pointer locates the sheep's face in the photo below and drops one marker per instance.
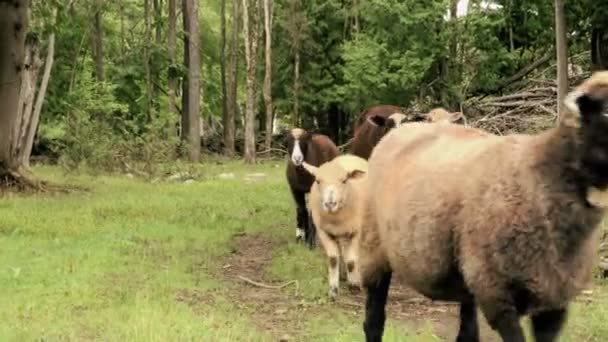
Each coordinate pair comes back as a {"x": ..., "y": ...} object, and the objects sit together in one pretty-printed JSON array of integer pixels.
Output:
[
  {"x": 587, "y": 111},
  {"x": 440, "y": 115},
  {"x": 393, "y": 121},
  {"x": 333, "y": 183},
  {"x": 297, "y": 144}
]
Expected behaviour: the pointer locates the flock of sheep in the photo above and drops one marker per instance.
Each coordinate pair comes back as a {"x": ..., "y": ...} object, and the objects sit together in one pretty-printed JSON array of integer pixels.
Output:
[{"x": 504, "y": 223}]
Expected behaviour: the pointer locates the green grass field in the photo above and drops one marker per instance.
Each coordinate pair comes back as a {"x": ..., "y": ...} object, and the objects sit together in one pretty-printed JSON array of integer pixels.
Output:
[{"x": 132, "y": 260}]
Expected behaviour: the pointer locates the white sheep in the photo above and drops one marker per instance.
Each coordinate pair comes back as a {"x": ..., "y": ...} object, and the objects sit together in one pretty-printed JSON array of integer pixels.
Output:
[{"x": 337, "y": 203}]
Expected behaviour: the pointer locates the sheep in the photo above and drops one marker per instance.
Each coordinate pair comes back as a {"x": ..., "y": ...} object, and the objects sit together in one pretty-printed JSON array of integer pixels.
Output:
[
  {"x": 337, "y": 204},
  {"x": 314, "y": 149},
  {"x": 372, "y": 125},
  {"x": 441, "y": 115},
  {"x": 506, "y": 223}
]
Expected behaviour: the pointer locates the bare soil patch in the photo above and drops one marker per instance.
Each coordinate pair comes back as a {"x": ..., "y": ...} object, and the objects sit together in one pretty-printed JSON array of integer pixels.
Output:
[{"x": 278, "y": 309}]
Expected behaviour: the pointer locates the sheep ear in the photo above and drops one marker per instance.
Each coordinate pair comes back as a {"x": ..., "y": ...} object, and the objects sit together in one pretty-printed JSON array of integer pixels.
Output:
[
  {"x": 587, "y": 99},
  {"x": 455, "y": 116},
  {"x": 310, "y": 168},
  {"x": 377, "y": 120},
  {"x": 356, "y": 174}
]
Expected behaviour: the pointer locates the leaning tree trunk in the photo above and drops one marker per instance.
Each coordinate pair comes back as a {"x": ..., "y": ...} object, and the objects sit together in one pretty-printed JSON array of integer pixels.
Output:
[
  {"x": 250, "y": 15},
  {"x": 13, "y": 28},
  {"x": 268, "y": 72}
]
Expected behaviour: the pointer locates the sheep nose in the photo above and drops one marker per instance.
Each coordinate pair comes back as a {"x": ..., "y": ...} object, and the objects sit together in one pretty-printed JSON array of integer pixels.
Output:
[
  {"x": 298, "y": 160},
  {"x": 330, "y": 205}
]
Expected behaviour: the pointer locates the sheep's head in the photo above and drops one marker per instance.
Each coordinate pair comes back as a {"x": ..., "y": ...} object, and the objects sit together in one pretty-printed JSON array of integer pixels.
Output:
[
  {"x": 440, "y": 115},
  {"x": 587, "y": 111},
  {"x": 333, "y": 182},
  {"x": 297, "y": 144},
  {"x": 394, "y": 120}
]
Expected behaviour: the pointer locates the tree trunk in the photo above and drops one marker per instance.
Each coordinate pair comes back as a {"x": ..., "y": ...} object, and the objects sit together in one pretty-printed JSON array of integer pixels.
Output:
[
  {"x": 192, "y": 110},
  {"x": 296, "y": 89},
  {"x": 561, "y": 48},
  {"x": 599, "y": 48},
  {"x": 250, "y": 21},
  {"x": 232, "y": 82},
  {"x": 155, "y": 72},
  {"x": 172, "y": 71},
  {"x": 147, "y": 59},
  {"x": 268, "y": 8},
  {"x": 35, "y": 120},
  {"x": 185, "y": 123},
  {"x": 98, "y": 41},
  {"x": 223, "y": 63},
  {"x": 13, "y": 28}
]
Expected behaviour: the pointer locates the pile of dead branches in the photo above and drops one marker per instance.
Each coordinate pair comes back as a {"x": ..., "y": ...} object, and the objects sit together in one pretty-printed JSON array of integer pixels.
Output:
[{"x": 526, "y": 106}]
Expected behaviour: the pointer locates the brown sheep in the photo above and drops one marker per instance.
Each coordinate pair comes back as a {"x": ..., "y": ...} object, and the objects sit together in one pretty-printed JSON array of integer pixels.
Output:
[
  {"x": 315, "y": 149},
  {"x": 506, "y": 223},
  {"x": 372, "y": 125},
  {"x": 337, "y": 203}
]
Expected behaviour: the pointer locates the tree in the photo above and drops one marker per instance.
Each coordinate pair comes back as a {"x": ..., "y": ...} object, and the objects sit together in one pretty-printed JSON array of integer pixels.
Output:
[
  {"x": 561, "y": 48},
  {"x": 13, "y": 28},
  {"x": 98, "y": 41},
  {"x": 172, "y": 49},
  {"x": 223, "y": 67},
  {"x": 191, "y": 95},
  {"x": 268, "y": 6},
  {"x": 250, "y": 22},
  {"x": 232, "y": 71}
]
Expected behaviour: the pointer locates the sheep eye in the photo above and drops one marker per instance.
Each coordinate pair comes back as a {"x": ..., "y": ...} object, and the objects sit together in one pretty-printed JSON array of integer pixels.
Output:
[
  {"x": 344, "y": 180},
  {"x": 317, "y": 181}
]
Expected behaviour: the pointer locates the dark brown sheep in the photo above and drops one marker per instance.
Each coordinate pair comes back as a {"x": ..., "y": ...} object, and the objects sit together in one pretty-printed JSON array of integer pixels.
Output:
[
  {"x": 506, "y": 223},
  {"x": 314, "y": 149},
  {"x": 373, "y": 124}
]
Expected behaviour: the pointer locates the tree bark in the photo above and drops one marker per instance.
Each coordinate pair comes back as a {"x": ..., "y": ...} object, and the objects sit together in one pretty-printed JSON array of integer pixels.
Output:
[
  {"x": 193, "y": 87},
  {"x": 172, "y": 71},
  {"x": 13, "y": 28},
  {"x": 250, "y": 21},
  {"x": 296, "y": 89},
  {"x": 232, "y": 81},
  {"x": 147, "y": 59},
  {"x": 599, "y": 47},
  {"x": 223, "y": 63},
  {"x": 268, "y": 9},
  {"x": 98, "y": 41},
  {"x": 561, "y": 48}
]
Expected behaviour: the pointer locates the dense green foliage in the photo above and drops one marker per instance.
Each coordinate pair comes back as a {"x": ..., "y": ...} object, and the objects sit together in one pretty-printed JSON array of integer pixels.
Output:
[{"x": 353, "y": 55}]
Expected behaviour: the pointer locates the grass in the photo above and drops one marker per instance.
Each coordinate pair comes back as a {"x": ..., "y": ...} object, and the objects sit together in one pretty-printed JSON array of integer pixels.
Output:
[{"x": 131, "y": 260}]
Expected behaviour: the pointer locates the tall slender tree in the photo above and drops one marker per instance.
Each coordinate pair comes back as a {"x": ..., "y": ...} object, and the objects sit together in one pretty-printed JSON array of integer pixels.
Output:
[
  {"x": 98, "y": 40},
  {"x": 232, "y": 70},
  {"x": 268, "y": 9},
  {"x": 250, "y": 23},
  {"x": 172, "y": 51},
  {"x": 561, "y": 47},
  {"x": 192, "y": 87}
]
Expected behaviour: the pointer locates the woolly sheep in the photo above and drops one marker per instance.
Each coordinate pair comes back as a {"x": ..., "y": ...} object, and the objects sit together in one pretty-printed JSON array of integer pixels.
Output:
[
  {"x": 506, "y": 223},
  {"x": 337, "y": 203}
]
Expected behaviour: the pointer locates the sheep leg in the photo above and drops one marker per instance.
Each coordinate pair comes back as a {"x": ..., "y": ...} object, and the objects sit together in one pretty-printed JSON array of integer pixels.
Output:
[
  {"x": 505, "y": 322},
  {"x": 301, "y": 213},
  {"x": 548, "y": 324},
  {"x": 333, "y": 256},
  {"x": 375, "y": 313},
  {"x": 469, "y": 330},
  {"x": 352, "y": 266},
  {"x": 310, "y": 232}
]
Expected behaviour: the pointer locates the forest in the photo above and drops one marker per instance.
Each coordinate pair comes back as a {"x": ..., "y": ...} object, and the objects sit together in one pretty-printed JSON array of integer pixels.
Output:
[{"x": 143, "y": 146}]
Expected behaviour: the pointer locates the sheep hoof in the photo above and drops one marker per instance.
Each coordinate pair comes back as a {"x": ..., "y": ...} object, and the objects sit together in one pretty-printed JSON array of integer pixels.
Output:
[{"x": 333, "y": 293}]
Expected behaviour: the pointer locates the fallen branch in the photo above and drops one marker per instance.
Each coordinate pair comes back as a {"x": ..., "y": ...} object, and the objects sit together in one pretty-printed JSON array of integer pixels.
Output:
[{"x": 265, "y": 286}]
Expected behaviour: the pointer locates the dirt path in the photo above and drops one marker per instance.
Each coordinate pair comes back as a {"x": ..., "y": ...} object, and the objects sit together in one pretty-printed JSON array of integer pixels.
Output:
[{"x": 280, "y": 312}]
